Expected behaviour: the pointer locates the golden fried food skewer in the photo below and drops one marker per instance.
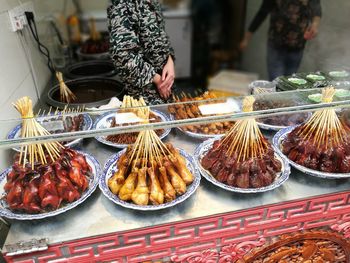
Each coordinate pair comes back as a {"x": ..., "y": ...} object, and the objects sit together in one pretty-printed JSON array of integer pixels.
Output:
[
  {"x": 169, "y": 191},
  {"x": 157, "y": 194},
  {"x": 141, "y": 194},
  {"x": 128, "y": 188}
]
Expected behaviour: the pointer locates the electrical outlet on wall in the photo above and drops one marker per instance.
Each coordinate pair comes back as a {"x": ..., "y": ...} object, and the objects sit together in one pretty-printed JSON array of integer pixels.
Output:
[{"x": 17, "y": 17}]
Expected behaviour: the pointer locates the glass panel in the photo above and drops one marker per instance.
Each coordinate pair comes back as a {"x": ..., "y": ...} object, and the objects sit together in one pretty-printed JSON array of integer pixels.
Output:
[{"x": 181, "y": 114}]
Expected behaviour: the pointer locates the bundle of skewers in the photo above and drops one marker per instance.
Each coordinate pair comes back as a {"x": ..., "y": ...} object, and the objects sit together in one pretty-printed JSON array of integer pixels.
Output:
[
  {"x": 135, "y": 106},
  {"x": 150, "y": 172},
  {"x": 66, "y": 95},
  {"x": 44, "y": 176},
  {"x": 191, "y": 110},
  {"x": 322, "y": 143},
  {"x": 243, "y": 158}
]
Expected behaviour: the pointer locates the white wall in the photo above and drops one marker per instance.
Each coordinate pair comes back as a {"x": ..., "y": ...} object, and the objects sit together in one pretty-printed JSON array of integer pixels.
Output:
[
  {"x": 16, "y": 79},
  {"x": 328, "y": 51}
]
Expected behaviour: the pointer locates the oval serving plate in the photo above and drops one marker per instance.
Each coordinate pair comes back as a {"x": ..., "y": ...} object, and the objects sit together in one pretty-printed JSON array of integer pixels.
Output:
[
  {"x": 277, "y": 144},
  {"x": 93, "y": 182},
  {"x": 110, "y": 168},
  {"x": 105, "y": 120},
  {"x": 16, "y": 132},
  {"x": 203, "y": 148},
  {"x": 200, "y": 136}
]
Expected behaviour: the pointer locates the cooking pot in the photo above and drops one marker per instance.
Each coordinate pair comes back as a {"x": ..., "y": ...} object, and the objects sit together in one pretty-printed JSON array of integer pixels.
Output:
[
  {"x": 93, "y": 68},
  {"x": 90, "y": 92}
]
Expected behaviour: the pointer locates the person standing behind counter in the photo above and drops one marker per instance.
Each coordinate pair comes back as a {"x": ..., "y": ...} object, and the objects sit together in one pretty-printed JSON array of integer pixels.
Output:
[
  {"x": 292, "y": 23},
  {"x": 141, "y": 50}
]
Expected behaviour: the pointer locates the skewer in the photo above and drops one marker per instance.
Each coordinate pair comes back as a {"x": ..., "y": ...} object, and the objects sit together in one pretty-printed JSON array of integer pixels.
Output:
[
  {"x": 66, "y": 95},
  {"x": 31, "y": 128}
]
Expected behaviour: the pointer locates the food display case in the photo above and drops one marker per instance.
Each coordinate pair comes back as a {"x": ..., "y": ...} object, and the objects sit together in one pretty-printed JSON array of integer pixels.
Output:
[{"x": 210, "y": 221}]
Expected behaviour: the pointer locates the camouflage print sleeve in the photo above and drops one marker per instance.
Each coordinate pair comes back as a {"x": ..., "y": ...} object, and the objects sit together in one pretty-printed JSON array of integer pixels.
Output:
[{"x": 125, "y": 47}]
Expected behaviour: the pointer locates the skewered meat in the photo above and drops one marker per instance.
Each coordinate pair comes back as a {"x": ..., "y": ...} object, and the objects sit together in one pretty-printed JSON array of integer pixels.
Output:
[
  {"x": 149, "y": 156},
  {"x": 157, "y": 194},
  {"x": 128, "y": 188},
  {"x": 191, "y": 110},
  {"x": 243, "y": 158},
  {"x": 252, "y": 173},
  {"x": 322, "y": 143},
  {"x": 322, "y": 157},
  {"x": 169, "y": 191},
  {"x": 118, "y": 179},
  {"x": 280, "y": 120},
  {"x": 141, "y": 194},
  {"x": 47, "y": 187},
  {"x": 130, "y": 138},
  {"x": 176, "y": 180}
]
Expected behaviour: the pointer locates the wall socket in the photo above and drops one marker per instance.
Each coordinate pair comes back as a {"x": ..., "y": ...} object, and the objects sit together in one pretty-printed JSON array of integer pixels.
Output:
[{"x": 17, "y": 16}]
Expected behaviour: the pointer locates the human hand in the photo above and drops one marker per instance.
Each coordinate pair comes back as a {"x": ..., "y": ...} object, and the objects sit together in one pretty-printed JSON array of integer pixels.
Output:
[
  {"x": 168, "y": 76},
  {"x": 157, "y": 80},
  {"x": 245, "y": 41},
  {"x": 312, "y": 31}
]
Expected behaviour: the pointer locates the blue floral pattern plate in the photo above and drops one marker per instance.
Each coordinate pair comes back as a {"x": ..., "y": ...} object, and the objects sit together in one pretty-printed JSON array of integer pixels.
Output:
[
  {"x": 16, "y": 132},
  {"x": 110, "y": 168},
  {"x": 93, "y": 182},
  {"x": 277, "y": 144},
  {"x": 203, "y": 148},
  {"x": 105, "y": 120}
]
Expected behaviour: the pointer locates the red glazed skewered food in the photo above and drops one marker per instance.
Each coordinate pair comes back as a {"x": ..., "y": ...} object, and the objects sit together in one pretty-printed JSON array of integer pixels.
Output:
[
  {"x": 48, "y": 186},
  {"x": 191, "y": 110},
  {"x": 243, "y": 158},
  {"x": 322, "y": 143},
  {"x": 150, "y": 172},
  {"x": 44, "y": 176},
  {"x": 129, "y": 138}
]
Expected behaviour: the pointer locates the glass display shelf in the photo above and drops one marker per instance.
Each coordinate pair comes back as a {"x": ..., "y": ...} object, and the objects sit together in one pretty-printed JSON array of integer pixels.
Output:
[{"x": 210, "y": 111}]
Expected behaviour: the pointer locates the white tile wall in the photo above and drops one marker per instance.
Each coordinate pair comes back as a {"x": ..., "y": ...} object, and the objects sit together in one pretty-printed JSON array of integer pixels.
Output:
[{"x": 16, "y": 79}]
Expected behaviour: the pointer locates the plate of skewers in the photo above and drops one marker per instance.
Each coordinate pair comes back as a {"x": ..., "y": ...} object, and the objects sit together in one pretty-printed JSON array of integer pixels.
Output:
[
  {"x": 59, "y": 123},
  {"x": 189, "y": 108},
  {"x": 321, "y": 146},
  {"x": 276, "y": 123},
  {"x": 242, "y": 161},
  {"x": 128, "y": 114},
  {"x": 149, "y": 175},
  {"x": 46, "y": 179}
]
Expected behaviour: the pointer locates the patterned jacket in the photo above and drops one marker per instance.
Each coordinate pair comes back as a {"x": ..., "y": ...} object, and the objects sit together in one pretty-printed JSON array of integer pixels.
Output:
[{"x": 140, "y": 46}]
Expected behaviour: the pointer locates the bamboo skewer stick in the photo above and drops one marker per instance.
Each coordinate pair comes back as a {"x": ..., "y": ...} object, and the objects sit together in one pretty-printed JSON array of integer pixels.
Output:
[
  {"x": 324, "y": 127},
  {"x": 245, "y": 138},
  {"x": 66, "y": 95},
  {"x": 31, "y": 128}
]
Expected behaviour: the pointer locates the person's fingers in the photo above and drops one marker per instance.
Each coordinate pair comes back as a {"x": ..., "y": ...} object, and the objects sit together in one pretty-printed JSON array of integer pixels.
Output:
[
  {"x": 166, "y": 82},
  {"x": 164, "y": 73}
]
